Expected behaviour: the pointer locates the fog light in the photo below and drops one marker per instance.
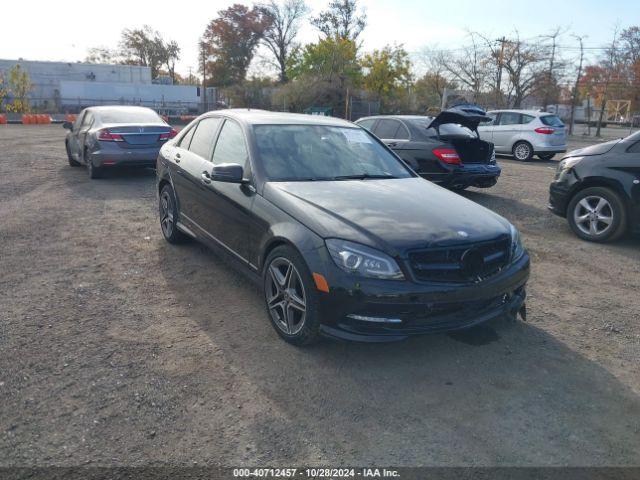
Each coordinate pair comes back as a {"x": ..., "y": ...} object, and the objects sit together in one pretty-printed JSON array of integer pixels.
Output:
[{"x": 364, "y": 318}]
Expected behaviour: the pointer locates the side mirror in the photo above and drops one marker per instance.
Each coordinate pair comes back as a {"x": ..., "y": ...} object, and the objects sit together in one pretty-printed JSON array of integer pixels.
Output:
[
  {"x": 227, "y": 172},
  {"x": 67, "y": 125}
]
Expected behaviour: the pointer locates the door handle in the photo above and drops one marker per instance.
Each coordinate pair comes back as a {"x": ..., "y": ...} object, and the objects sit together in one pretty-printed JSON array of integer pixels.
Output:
[{"x": 206, "y": 178}]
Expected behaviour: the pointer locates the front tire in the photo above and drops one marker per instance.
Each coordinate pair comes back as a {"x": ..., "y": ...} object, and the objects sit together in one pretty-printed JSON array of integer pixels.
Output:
[
  {"x": 597, "y": 214},
  {"x": 522, "y": 151},
  {"x": 169, "y": 216},
  {"x": 291, "y": 298}
]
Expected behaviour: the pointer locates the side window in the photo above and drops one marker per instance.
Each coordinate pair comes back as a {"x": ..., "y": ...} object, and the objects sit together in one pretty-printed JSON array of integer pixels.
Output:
[
  {"x": 367, "y": 123},
  {"x": 527, "y": 118},
  {"x": 402, "y": 133},
  {"x": 79, "y": 120},
  {"x": 387, "y": 128},
  {"x": 635, "y": 148},
  {"x": 87, "y": 121},
  {"x": 186, "y": 139},
  {"x": 203, "y": 137},
  {"x": 230, "y": 147},
  {"x": 509, "y": 118},
  {"x": 493, "y": 117}
]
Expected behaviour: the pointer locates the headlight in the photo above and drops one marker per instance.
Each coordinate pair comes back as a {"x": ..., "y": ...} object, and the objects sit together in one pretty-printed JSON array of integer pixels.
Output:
[
  {"x": 568, "y": 163},
  {"x": 361, "y": 260},
  {"x": 517, "y": 249}
]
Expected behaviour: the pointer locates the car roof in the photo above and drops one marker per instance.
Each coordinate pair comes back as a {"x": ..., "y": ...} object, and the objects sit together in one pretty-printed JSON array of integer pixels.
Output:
[
  {"x": 396, "y": 117},
  {"x": 535, "y": 113},
  {"x": 250, "y": 116},
  {"x": 120, "y": 108}
]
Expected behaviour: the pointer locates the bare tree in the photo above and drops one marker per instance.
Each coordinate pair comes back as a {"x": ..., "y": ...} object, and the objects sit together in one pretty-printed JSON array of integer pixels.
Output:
[
  {"x": 610, "y": 65},
  {"x": 341, "y": 20},
  {"x": 549, "y": 85},
  {"x": 469, "y": 68},
  {"x": 522, "y": 62},
  {"x": 283, "y": 28}
]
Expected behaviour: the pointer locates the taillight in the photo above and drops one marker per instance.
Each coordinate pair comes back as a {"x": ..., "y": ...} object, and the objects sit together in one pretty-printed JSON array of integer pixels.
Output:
[
  {"x": 166, "y": 136},
  {"x": 106, "y": 136},
  {"x": 447, "y": 155},
  {"x": 544, "y": 130}
]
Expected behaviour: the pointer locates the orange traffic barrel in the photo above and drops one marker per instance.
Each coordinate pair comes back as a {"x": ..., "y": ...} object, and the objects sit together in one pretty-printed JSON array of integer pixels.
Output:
[
  {"x": 26, "y": 119},
  {"x": 3, "y": 119}
]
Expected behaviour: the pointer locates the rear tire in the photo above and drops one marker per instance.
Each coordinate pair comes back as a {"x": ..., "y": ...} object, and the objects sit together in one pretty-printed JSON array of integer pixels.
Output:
[
  {"x": 169, "y": 216},
  {"x": 522, "y": 151},
  {"x": 546, "y": 156},
  {"x": 288, "y": 285},
  {"x": 597, "y": 214},
  {"x": 72, "y": 162}
]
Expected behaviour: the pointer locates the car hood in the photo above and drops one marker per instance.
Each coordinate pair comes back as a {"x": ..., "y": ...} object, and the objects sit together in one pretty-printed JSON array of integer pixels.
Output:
[
  {"x": 597, "y": 149},
  {"x": 469, "y": 116},
  {"x": 394, "y": 215}
]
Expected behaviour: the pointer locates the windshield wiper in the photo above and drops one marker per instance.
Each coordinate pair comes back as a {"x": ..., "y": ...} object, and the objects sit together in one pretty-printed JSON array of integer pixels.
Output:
[{"x": 363, "y": 176}]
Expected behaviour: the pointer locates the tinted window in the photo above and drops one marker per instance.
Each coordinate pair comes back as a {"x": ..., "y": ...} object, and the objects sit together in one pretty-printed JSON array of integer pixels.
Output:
[
  {"x": 230, "y": 147},
  {"x": 202, "y": 141},
  {"x": 315, "y": 152},
  {"x": 402, "y": 133},
  {"x": 527, "y": 118},
  {"x": 367, "y": 123},
  {"x": 387, "y": 128},
  {"x": 635, "y": 148},
  {"x": 509, "y": 118},
  {"x": 552, "y": 121},
  {"x": 186, "y": 139},
  {"x": 130, "y": 116},
  {"x": 87, "y": 120}
]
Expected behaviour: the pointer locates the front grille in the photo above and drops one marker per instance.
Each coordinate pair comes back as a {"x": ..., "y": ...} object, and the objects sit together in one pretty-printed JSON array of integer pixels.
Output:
[{"x": 461, "y": 263}]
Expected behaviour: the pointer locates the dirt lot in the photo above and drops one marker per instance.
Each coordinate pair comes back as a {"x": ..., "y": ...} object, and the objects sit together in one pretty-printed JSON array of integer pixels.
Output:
[{"x": 117, "y": 348}]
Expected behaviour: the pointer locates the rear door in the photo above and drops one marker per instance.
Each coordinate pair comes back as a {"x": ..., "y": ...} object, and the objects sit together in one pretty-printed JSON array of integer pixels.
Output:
[
  {"x": 190, "y": 159},
  {"x": 391, "y": 131},
  {"x": 486, "y": 130},
  {"x": 507, "y": 128}
]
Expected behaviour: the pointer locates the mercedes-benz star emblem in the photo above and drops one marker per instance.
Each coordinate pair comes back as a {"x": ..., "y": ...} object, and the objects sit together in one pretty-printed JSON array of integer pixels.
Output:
[{"x": 462, "y": 233}]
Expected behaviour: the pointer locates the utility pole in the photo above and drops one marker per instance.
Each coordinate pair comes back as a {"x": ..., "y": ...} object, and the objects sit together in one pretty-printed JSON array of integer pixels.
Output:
[
  {"x": 574, "y": 97},
  {"x": 204, "y": 76},
  {"x": 502, "y": 41}
]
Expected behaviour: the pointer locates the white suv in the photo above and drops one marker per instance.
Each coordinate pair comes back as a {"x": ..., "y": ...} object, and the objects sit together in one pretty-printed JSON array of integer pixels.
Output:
[{"x": 525, "y": 133}]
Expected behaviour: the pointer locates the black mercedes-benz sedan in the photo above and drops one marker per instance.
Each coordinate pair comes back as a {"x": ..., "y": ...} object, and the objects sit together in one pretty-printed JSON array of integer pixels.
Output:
[
  {"x": 597, "y": 189},
  {"x": 445, "y": 149},
  {"x": 345, "y": 239}
]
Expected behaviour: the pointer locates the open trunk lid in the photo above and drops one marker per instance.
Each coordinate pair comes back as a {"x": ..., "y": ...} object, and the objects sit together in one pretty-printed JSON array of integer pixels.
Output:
[{"x": 467, "y": 115}]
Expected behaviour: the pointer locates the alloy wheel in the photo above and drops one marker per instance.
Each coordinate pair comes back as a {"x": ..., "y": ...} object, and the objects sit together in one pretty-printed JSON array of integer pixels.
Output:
[
  {"x": 522, "y": 151},
  {"x": 166, "y": 213},
  {"x": 593, "y": 215},
  {"x": 285, "y": 295}
]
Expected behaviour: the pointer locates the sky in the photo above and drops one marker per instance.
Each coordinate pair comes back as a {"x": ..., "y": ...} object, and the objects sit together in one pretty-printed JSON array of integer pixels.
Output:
[{"x": 63, "y": 30}]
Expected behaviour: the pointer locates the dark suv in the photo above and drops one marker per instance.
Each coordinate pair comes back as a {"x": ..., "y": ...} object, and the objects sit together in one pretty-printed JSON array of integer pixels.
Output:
[
  {"x": 345, "y": 239},
  {"x": 597, "y": 189},
  {"x": 446, "y": 149}
]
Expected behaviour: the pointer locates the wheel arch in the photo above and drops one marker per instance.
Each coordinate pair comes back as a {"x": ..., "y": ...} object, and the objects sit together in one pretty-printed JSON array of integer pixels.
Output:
[{"x": 602, "y": 182}]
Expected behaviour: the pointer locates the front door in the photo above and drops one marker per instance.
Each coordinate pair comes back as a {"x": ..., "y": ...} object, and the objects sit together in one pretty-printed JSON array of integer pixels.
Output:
[{"x": 225, "y": 208}]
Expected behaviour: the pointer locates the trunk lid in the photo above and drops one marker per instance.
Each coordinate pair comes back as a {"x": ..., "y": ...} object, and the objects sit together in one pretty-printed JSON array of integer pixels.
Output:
[
  {"x": 142, "y": 136},
  {"x": 467, "y": 115}
]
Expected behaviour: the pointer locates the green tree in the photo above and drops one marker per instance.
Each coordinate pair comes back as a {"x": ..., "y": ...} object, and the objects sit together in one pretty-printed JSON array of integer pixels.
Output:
[
  {"x": 4, "y": 90},
  {"x": 429, "y": 90},
  {"x": 332, "y": 59},
  {"x": 229, "y": 43},
  {"x": 19, "y": 86},
  {"x": 387, "y": 73}
]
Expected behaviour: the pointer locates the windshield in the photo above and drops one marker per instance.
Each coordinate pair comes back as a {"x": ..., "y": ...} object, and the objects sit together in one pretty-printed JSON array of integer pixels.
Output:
[
  {"x": 129, "y": 116},
  {"x": 316, "y": 152},
  {"x": 446, "y": 129}
]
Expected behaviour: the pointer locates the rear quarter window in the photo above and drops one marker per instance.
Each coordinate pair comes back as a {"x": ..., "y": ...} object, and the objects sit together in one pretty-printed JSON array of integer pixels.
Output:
[{"x": 552, "y": 121}]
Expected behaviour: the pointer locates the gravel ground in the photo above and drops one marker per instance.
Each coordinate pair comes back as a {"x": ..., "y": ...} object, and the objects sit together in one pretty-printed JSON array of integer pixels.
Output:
[{"x": 120, "y": 349}]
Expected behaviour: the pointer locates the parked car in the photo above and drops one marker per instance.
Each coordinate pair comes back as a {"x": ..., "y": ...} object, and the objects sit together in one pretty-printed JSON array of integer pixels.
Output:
[
  {"x": 525, "y": 133},
  {"x": 116, "y": 136},
  {"x": 445, "y": 149},
  {"x": 597, "y": 189},
  {"x": 344, "y": 238}
]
